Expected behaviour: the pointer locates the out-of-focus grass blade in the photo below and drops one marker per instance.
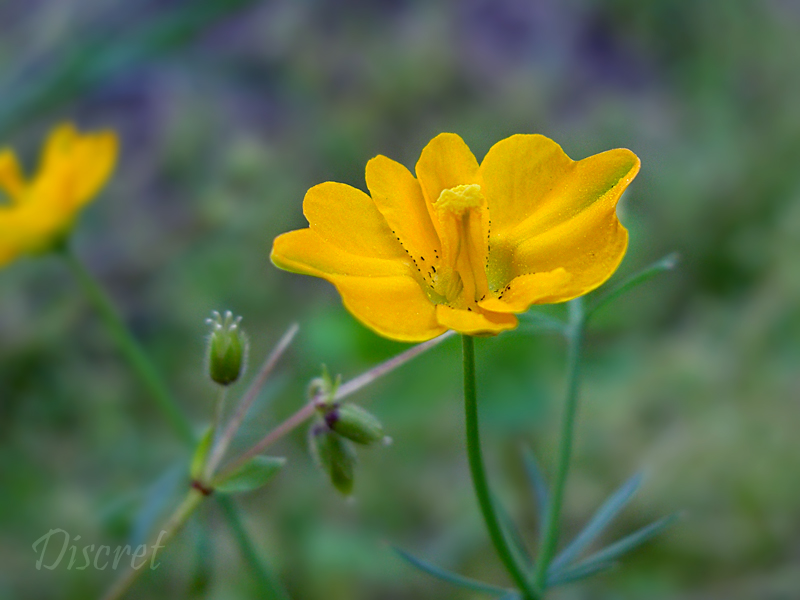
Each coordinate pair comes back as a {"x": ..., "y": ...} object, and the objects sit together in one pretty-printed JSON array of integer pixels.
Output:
[
  {"x": 512, "y": 532},
  {"x": 99, "y": 57},
  {"x": 450, "y": 577},
  {"x": 537, "y": 322},
  {"x": 577, "y": 572},
  {"x": 538, "y": 482},
  {"x": 667, "y": 263},
  {"x": 155, "y": 502},
  {"x": 611, "y": 553},
  {"x": 598, "y": 523},
  {"x": 200, "y": 579}
]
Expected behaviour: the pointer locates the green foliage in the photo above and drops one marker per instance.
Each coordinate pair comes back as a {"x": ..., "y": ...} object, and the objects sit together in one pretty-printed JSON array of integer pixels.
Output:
[{"x": 252, "y": 475}]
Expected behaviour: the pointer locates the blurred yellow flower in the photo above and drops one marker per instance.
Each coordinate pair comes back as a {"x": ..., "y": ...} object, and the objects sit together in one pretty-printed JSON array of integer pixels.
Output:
[
  {"x": 38, "y": 213},
  {"x": 464, "y": 246}
]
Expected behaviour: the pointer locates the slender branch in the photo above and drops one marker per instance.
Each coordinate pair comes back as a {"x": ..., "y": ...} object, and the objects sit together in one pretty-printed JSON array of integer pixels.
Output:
[
  {"x": 131, "y": 349},
  {"x": 173, "y": 526},
  {"x": 250, "y": 396},
  {"x": 551, "y": 524},
  {"x": 388, "y": 366},
  {"x": 140, "y": 363},
  {"x": 480, "y": 481},
  {"x": 219, "y": 405},
  {"x": 344, "y": 390}
]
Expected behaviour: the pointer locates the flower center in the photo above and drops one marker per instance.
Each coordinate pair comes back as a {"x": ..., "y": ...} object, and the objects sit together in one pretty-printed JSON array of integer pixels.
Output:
[{"x": 462, "y": 227}]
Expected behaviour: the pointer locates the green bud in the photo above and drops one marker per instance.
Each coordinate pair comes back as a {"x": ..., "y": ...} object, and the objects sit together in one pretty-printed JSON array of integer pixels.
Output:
[
  {"x": 355, "y": 423},
  {"x": 323, "y": 389},
  {"x": 227, "y": 348},
  {"x": 334, "y": 455}
]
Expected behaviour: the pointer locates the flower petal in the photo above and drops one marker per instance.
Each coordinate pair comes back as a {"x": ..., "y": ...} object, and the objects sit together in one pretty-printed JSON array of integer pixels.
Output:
[
  {"x": 74, "y": 167},
  {"x": 473, "y": 322},
  {"x": 399, "y": 198},
  {"x": 444, "y": 163},
  {"x": 347, "y": 218},
  {"x": 12, "y": 181},
  {"x": 574, "y": 227},
  {"x": 395, "y": 307},
  {"x": 518, "y": 174},
  {"x": 535, "y": 288},
  {"x": 304, "y": 251}
]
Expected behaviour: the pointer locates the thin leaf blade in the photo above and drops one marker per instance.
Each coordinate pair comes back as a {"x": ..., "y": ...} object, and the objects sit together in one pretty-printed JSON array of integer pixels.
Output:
[
  {"x": 611, "y": 553},
  {"x": 666, "y": 263},
  {"x": 538, "y": 483},
  {"x": 597, "y": 524},
  {"x": 200, "y": 455},
  {"x": 577, "y": 573},
  {"x": 252, "y": 475},
  {"x": 449, "y": 576}
]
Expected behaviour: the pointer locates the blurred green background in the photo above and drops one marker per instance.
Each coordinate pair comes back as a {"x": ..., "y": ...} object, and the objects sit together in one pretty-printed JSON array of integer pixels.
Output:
[{"x": 228, "y": 111}]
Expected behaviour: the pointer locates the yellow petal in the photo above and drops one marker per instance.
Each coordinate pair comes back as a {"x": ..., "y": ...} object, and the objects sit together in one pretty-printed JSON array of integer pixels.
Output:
[
  {"x": 473, "y": 322},
  {"x": 395, "y": 307},
  {"x": 399, "y": 198},
  {"x": 347, "y": 218},
  {"x": 74, "y": 167},
  {"x": 535, "y": 288},
  {"x": 518, "y": 175},
  {"x": 575, "y": 227},
  {"x": 12, "y": 181},
  {"x": 445, "y": 162},
  {"x": 304, "y": 251}
]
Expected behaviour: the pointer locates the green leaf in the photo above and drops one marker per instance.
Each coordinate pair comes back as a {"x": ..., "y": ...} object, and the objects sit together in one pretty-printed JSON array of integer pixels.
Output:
[
  {"x": 609, "y": 554},
  {"x": 250, "y": 476},
  {"x": 450, "y": 577},
  {"x": 157, "y": 498},
  {"x": 538, "y": 482},
  {"x": 667, "y": 263},
  {"x": 201, "y": 454},
  {"x": 537, "y": 322},
  {"x": 598, "y": 523},
  {"x": 511, "y": 531},
  {"x": 576, "y": 573}
]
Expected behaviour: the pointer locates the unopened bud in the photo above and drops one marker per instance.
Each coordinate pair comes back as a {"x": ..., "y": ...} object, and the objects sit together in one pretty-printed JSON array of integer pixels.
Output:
[
  {"x": 334, "y": 455},
  {"x": 322, "y": 390},
  {"x": 227, "y": 348},
  {"x": 355, "y": 423}
]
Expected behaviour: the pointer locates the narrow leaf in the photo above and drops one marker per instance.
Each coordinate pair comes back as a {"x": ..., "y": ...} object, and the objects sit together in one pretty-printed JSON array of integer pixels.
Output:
[
  {"x": 201, "y": 454},
  {"x": 449, "y": 576},
  {"x": 537, "y": 322},
  {"x": 628, "y": 543},
  {"x": 576, "y": 573},
  {"x": 667, "y": 263},
  {"x": 512, "y": 533},
  {"x": 538, "y": 482},
  {"x": 157, "y": 498},
  {"x": 598, "y": 523},
  {"x": 250, "y": 476}
]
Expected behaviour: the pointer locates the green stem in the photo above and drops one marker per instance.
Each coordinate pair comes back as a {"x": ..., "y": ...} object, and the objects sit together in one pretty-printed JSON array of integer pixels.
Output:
[
  {"x": 551, "y": 524},
  {"x": 266, "y": 578},
  {"x": 138, "y": 360},
  {"x": 131, "y": 349},
  {"x": 173, "y": 526},
  {"x": 479, "y": 480}
]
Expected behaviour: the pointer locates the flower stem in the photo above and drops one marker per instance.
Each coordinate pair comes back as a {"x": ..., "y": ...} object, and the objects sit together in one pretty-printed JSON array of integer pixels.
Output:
[
  {"x": 479, "y": 480},
  {"x": 174, "y": 524},
  {"x": 551, "y": 524},
  {"x": 140, "y": 363},
  {"x": 131, "y": 349}
]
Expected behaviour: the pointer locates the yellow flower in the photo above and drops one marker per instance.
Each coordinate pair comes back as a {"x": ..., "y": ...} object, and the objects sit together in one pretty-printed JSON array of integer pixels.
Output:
[
  {"x": 38, "y": 213},
  {"x": 464, "y": 246}
]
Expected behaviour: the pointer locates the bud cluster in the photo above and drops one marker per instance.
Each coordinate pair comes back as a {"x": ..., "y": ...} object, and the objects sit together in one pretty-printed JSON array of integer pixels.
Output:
[{"x": 335, "y": 431}]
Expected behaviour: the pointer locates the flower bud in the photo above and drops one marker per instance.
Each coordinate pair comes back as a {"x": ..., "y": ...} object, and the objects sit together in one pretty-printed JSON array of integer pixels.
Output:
[
  {"x": 227, "y": 348},
  {"x": 355, "y": 423},
  {"x": 334, "y": 455}
]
